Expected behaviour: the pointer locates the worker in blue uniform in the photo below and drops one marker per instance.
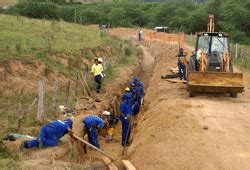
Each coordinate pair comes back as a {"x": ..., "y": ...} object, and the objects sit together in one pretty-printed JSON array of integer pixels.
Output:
[
  {"x": 129, "y": 96},
  {"x": 50, "y": 134},
  {"x": 92, "y": 123},
  {"x": 136, "y": 108},
  {"x": 126, "y": 112},
  {"x": 181, "y": 65},
  {"x": 137, "y": 80},
  {"x": 139, "y": 92}
]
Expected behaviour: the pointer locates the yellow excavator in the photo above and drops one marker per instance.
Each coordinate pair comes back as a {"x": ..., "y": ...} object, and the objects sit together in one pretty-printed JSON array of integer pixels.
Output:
[{"x": 213, "y": 71}]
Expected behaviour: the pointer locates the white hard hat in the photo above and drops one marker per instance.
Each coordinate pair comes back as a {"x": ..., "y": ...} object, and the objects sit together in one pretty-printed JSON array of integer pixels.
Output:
[
  {"x": 106, "y": 113},
  {"x": 100, "y": 59}
]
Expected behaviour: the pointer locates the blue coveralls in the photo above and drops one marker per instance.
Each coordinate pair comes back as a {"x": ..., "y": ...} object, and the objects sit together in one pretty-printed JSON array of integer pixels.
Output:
[
  {"x": 139, "y": 93},
  {"x": 181, "y": 67},
  {"x": 125, "y": 108},
  {"x": 136, "y": 81},
  {"x": 91, "y": 124},
  {"x": 136, "y": 108},
  {"x": 49, "y": 134},
  {"x": 129, "y": 97}
]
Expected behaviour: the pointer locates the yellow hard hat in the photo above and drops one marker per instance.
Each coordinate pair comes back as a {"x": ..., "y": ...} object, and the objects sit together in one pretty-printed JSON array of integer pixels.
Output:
[{"x": 127, "y": 89}]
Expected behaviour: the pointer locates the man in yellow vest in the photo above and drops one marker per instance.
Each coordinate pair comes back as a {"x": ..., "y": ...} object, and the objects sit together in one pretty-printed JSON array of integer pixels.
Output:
[{"x": 97, "y": 70}]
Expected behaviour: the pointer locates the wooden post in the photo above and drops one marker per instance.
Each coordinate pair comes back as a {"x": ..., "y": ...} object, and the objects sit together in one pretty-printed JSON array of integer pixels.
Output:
[
  {"x": 191, "y": 39},
  {"x": 55, "y": 95},
  {"x": 32, "y": 104},
  {"x": 241, "y": 53},
  {"x": 76, "y": 86},
  {"x": 41, "y": 97},
  {"x": 20, "y": 110},
  {"x": 236, "y": 51},
  {"x": 67, "y": 93}
]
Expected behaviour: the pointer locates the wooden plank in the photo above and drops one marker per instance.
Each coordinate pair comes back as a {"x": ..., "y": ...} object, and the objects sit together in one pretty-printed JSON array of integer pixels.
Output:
[
  {"x": 107, "y": 161},
  {"x": 176, "y": 81},
  {"x": 128, "y": 165}
]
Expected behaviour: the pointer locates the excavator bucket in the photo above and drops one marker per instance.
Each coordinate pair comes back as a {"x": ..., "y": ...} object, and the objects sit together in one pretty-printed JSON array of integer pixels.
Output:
[{"x": 215, "y": 82}]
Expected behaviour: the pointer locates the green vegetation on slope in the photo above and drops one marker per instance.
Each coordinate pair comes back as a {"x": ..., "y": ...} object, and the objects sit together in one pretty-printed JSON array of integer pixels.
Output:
[
  {"x": 32, "y": 41},
  {"x": 230, "y": 15}
]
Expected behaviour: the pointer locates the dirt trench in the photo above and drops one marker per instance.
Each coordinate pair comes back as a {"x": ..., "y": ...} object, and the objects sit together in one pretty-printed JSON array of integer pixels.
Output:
[{"x": 178, "y": 132}]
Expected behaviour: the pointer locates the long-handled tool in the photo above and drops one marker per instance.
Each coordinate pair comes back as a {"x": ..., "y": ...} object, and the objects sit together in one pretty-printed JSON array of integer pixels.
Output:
[
  {"x": 95, "y": 148},
  {"x": 129, "y": 128}
]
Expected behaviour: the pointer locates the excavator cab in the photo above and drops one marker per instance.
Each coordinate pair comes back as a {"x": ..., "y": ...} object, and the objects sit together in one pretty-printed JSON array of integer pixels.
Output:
[
  {"x": 214, "y": 71},
  {"x": 215, "y": 47}
]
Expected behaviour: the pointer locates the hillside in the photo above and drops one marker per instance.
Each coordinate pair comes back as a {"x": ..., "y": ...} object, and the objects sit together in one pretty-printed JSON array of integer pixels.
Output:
[{"x": 33, "y": 50}]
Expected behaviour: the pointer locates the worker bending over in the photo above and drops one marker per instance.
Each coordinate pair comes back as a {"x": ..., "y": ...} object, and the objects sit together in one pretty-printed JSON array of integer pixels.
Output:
[
  {"x": 97, "y": 70},
  {"x": 91, "y": 125},
  {"x": 181, "y": 65},
  {"x": 126, "y": 112},
  {"x": 50, "y": 134}
]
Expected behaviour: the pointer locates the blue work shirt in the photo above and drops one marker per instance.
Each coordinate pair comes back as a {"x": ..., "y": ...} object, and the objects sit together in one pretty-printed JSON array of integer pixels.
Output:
[
  {"x": 95, "y": 121},
  {"x": 125, "y": 108},
  {"x": 60, "y": 128},
  {"x": 139, "y": 91},
  {"x": 129, "y": 96}
]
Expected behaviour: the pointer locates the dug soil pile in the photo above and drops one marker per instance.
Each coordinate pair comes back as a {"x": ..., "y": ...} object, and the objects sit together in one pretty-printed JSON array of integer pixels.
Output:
[{"x": 178, "y": 132}]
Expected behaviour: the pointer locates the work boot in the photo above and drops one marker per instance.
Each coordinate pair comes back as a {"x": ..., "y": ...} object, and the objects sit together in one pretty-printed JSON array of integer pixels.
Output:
[
  {"x": 40, "y": 144},
  {"x": 23, "y": 145}
]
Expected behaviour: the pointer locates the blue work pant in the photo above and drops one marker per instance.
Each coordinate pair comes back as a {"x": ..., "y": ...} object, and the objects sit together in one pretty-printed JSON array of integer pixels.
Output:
[
  {"x": 92, "y": 135},
  {"x": 182, "y": 70},
  {"x": 126, "y": 130},
  {"x": 136, "y": 108},
  {"x": 46, "y": 136}
]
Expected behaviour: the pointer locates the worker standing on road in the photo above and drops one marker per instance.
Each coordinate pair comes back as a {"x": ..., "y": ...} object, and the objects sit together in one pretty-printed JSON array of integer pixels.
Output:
[
  {"x": 97, "y": 69},
  {"x": 50, "y": 134},
  {"x": 125, "y": 116},
  {"x": 192, "y": 62},
  {"x": 181, "y": 65},
  {"x": 140, "y": 35},
  {"x": 91, "y": 125}
]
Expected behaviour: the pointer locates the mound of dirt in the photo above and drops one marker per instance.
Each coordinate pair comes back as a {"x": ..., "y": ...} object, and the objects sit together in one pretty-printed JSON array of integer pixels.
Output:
[{"x": 171, "y": 134}]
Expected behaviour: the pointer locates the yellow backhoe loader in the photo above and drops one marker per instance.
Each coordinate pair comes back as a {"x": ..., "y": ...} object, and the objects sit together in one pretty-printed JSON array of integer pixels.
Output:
[{"x": 214, "y": 71}]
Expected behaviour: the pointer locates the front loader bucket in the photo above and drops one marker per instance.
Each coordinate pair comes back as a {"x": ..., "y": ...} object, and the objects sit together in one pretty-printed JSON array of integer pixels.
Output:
[{"x": 215, "y": 82}]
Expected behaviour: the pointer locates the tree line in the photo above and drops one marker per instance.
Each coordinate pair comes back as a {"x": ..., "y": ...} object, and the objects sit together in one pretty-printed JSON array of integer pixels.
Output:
[{"x": 183, "y": 15}]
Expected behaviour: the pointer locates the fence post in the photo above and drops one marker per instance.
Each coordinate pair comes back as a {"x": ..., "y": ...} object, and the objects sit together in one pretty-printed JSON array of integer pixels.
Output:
[
  {"x": 191, "y": 39},
  {"x": 41, "y": 97},
  {"x": 76, "y": 86},
  {"x": 55, "y": 95},
  {"x": 67, "y": 93},
  {"x": 236, "y": 51},
  {"x": 20, "y": 110}
]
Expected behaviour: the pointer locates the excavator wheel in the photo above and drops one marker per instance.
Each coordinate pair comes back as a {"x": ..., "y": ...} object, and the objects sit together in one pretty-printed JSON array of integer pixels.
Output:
[{"x": 234, "y": 94}]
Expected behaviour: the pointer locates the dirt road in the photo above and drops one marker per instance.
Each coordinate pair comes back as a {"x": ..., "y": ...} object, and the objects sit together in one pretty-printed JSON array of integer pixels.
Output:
[{"x": 171, "y": 133}]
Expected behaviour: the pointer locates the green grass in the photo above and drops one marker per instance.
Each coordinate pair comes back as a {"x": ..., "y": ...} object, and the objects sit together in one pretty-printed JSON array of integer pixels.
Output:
[{"x": 30, "y": 41}]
